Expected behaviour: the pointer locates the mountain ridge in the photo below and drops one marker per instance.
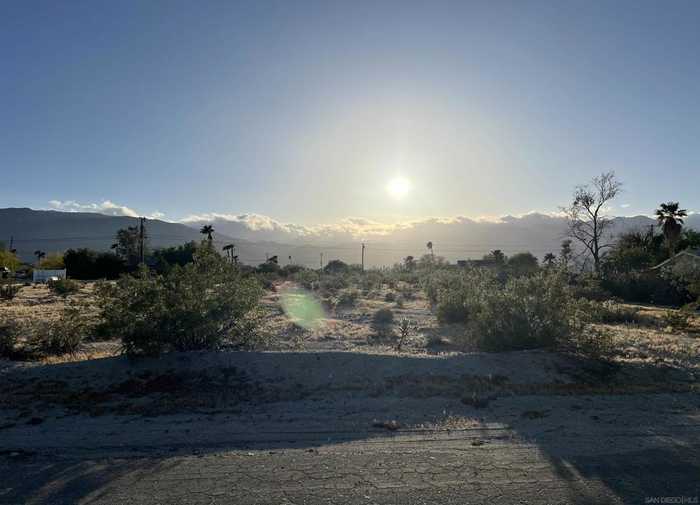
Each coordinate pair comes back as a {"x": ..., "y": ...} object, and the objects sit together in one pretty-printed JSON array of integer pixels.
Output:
[{"x": 454, "y": 238}]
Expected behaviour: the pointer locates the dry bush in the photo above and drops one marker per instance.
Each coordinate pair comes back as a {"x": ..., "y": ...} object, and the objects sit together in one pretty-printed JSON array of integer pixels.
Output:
[
  {"x": 64, "y": 335},
  {"x": 8, "y": 291},
  {"x": 64, "y": 287},
  {"x": 9, "y": 338},
  {"x": 677, "y": 320},
  {"x": 383, "y": 323},
  {"x": 594, "y": 343}
]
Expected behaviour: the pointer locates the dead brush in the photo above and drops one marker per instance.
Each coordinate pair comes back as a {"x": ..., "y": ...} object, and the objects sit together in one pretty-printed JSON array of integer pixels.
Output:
[{"x": 406, "y": 327}]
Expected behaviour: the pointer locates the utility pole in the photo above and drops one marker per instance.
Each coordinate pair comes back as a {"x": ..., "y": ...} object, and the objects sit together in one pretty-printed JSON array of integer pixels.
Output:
[
  {"x": 321, "y": 261},
  {"x": 142, "y": 249},
  {"x": 363, "y": 257}
]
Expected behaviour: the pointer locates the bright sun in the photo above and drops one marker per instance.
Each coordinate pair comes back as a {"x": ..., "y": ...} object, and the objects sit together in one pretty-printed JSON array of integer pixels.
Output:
[{"x": 398, "y": 187}]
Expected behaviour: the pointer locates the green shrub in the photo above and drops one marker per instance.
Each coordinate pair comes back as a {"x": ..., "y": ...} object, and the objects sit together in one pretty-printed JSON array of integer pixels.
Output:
[
  {"x": 8, "y": 291},
  {"x": 594, "y": 343},
  {"x": 308, "y": 279},
  {"x": 8, "y": 338},
  {"x": 529, "y": 312},
  {"x": 525, "y": 312},
  {"x": 64, "y": 335},
  {"x": 202, "y": 305},
  {"x": 64, "y": 287},
  {"x": 348, "y": 298},
  {"x": 383, "y": 322},
  {"x": 333, "y": 282},
  {"x": 591, "y": 288}
]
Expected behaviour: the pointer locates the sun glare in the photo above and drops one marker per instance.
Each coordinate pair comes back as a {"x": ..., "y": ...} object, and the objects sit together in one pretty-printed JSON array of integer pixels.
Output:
[{"x": 398, "y": 187}]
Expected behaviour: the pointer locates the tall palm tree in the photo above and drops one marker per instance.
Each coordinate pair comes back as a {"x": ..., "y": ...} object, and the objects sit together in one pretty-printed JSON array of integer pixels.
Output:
[
  {"x": 39, "y": 255},
  {"x": 207, "y": 230},
  {"x": 429, "y": 245},
  {"x": 670, "y": 219}
]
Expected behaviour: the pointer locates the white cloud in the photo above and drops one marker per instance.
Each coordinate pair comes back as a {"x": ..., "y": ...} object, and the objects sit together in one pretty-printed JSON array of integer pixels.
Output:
[
  {"x": 624, "y": 205},
  {"x": 106, "y": 207}
]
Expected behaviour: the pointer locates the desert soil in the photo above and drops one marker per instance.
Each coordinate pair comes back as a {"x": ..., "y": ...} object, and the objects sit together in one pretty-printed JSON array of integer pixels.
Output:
[{"x": 330, "y": 416}]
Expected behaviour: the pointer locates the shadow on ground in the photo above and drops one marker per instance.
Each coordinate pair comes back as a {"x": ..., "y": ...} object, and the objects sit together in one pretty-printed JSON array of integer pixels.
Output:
[{"x": 634, "y": 429}]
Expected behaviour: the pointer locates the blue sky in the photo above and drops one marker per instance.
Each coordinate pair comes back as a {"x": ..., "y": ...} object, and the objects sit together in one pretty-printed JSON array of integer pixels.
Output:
[{"x": 305, "y": 111}]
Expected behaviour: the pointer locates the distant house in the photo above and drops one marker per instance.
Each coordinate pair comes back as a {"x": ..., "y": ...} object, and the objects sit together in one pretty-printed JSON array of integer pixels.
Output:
[
  {"x": 46, "y": 275},
  {"x": 683, "y": 259}
]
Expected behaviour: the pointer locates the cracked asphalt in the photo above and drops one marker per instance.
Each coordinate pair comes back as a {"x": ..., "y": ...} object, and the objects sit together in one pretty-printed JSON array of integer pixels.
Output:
[{"x": 623, "y": 449}]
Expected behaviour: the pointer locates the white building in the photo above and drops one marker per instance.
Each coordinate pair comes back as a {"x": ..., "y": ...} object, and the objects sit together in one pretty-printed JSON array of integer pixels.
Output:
[{"x": 45, "y": 275}]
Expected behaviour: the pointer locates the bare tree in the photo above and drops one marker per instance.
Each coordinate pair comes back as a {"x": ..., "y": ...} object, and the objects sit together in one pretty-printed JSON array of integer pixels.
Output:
[{"x": 586, "y": 216}]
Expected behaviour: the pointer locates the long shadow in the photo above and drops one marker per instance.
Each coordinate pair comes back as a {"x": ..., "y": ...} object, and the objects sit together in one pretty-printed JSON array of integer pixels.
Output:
[{"x": 670, "y": 467}]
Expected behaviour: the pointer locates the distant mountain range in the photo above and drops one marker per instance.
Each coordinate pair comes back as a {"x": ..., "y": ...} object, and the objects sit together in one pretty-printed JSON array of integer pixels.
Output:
[{"x": 258, "y": 237}]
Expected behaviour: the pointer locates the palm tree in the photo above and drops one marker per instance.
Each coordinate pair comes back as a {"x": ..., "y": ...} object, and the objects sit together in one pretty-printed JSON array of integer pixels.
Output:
[
  {"x": 429, "y": 245},
  {"x": 670, "y": 219},
  {"x": 498, "y": 256},
  {"x": 207, "y": 230},
  {"x": 549, "y": 259},
  {"x": 39, "y": 255}
]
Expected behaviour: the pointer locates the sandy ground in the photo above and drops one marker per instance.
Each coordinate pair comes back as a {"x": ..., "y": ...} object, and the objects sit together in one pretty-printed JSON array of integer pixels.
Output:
[{"x": 330, "y": 415}]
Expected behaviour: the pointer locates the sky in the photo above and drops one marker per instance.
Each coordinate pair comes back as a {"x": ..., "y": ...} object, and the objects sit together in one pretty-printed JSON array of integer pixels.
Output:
[{"x": 313, "y": 112}]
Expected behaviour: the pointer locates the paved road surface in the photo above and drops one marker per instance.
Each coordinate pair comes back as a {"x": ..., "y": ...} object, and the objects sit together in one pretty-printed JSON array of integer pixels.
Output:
[{"x": 564, "y": 462}]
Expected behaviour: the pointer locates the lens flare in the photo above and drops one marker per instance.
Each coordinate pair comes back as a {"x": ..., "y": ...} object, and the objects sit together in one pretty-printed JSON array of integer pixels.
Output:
[{"x": 302, "y": 308}]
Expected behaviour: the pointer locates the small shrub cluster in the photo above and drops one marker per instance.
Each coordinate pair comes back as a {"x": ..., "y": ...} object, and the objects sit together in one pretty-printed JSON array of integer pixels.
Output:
[
  {"x": 8, "y": 339},
  {"x": 594, "y": 343},
  {"x": 64, "y": 335},
  {"x": 526, "y": 312},
  {"x": 677, "y": 320},
  {"x": 8, "y": 291},
  {"x": 611, "y": 312},
  {"x": 347, "y": 298},
  {"x": 202, "y": 305},
  {"x": 64, "y": 287},
  {"x": 383, "y": 323}
]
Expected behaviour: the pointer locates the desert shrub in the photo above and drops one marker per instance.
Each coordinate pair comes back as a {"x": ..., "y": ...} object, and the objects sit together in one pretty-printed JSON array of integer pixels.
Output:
[
  {"x": 348, "y": 298},
  {"x": 677, "y": 320},
  {"x": 333, "y": 282},
  {"x": 390, "y": 297},
  {"x": 405, "y": 327},
  {"x": 383, "y": 322},
  {"x": 611, "y": 312},
  {"x": 64, "y": 287},
  {"x": 202, "y": 305},
  {"x": 458, "y": 296},
  {"x": 336, "y": 267},
  {"x": 451, "y": 308},
  {"x": 64, "y": 335},
  {"x": 308, "y": 279},
  {"x": 529, "y": 312},
  {"x": 644, "y": 287},
  {"x": 525, "y": 312},
  {"x": 591, "y": 288},
  {"x": 8, "y": 338},
  {"x": 8, "y": 291},
  {"x": 594, "y": 343}
]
